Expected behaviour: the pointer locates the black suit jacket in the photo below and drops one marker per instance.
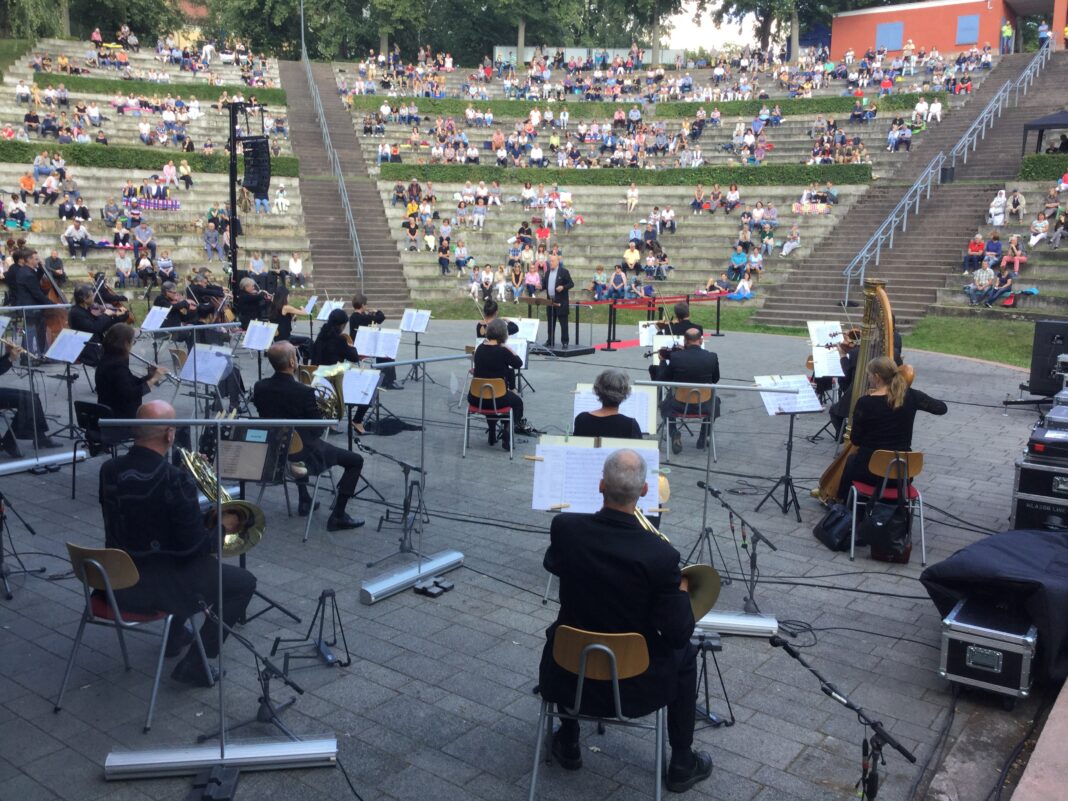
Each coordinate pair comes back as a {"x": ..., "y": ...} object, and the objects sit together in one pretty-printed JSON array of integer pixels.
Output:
[
  {"x": 118, "y": 388},
  {"x": 83, "y": 320},
  {"x": 682, "y": 326},
  {"x": 283, "y": 397},
  {"x": 691, "y": 364},
  {"x": 27, "y": 287},
  {"x": 616, "y": 577},
  {"x": 333, "y": 349},
  {"x": 563, "y": 278}
]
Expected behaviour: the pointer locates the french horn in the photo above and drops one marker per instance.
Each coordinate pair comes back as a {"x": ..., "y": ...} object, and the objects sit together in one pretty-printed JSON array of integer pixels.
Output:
[{"x": 253, "y": 521}]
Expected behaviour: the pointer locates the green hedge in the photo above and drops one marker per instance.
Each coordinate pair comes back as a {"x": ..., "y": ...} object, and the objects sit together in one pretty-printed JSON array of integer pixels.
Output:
[
  {"x": 129, "y": 158},
  {"x": 1042, "y": 167},
  {"x": 80, "y": 84},
  {"x": 511, "y": 109},
  {"x": 764, "y": 175}
]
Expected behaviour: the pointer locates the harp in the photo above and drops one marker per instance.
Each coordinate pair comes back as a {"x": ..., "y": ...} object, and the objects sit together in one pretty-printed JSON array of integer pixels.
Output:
[{"x": 876, "y": 339}]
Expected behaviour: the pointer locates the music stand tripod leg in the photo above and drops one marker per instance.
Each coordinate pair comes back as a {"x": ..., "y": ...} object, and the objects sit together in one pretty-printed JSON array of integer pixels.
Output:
[{"x": 789, "y": 494}]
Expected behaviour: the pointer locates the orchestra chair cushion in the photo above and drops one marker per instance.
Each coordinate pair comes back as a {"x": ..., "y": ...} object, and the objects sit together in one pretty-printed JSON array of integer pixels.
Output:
[
  {"x": 889, "y": 494},
  {"x": 598, "y": 656}
]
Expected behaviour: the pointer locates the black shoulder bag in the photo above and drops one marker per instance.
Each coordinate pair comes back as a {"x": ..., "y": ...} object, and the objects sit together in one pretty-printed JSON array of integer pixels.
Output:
[{"x": 887, "y": 525}]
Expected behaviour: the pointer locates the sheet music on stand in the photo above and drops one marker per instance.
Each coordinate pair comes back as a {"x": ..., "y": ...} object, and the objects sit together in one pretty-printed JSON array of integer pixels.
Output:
[
  {"x": 68, "y": 346},
  {"x": 568, "y": 472},
  {"x": 260, "y": 335},
  {"x": 4, "y": 323},
  {"x": 358, "y": 386},
  {"x": 641, "y": 405},
  {"x": 212, "y": 362},
  {"x": 664, "y": 341},
  {"x": 528, "y": 327},
  {"x": 826, "y": 361},
  {"x": 382, "y": 343},
  {"x": 415, "y": 321},
  {"x": 311, "y": 304},
  {"x": 803, "y": 402},
  {"x": 243, "y": 461},
  {"x": 154, "y": 318},
  {"x": 328, "y": 306},
  {"x": 647, "y": 330}
]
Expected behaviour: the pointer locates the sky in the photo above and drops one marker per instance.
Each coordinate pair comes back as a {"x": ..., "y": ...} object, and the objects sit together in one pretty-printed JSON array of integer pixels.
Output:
[{"x": 686, "y": 35}]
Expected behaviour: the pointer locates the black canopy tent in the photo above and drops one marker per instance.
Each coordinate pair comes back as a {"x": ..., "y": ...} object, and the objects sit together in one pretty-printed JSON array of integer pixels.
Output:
[{"x": 1051, "y": 122}]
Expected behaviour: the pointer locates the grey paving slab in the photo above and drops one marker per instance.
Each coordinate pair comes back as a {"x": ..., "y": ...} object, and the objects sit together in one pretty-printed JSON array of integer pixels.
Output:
[{"x": 438, "y": 702}]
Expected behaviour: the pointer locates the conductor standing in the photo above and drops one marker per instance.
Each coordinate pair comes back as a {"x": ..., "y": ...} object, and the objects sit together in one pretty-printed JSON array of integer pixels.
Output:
[{"x": 558, "y": 285}]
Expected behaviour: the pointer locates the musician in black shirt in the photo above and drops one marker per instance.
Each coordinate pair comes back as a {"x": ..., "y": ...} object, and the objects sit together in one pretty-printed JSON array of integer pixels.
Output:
[
  {"x": 82, "y": 318},
  {"x": 281, "y": 314},
  {"x": 883, "y": 420},
  {"x": 682, "y": 322},
  {"x": 361, "y": 316},
  {"x": 182, "y": 312},
  {"x": 489, "y": 314},
  {"x": 611, "y": 387},
  {"x": 331, "y": 345},
  {"x": 116, "y": 386},
  {"x": 494, "y": 360},
  {"x": 692, "y": 365},
  {"x": 250, "y": 302}
]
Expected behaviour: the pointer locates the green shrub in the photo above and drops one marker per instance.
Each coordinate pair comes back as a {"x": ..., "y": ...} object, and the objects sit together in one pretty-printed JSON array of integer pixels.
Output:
[
  {"x": 1043, "y": 167},
  {"x": 129, "y": 158},
  {"x": 81, "y": 84},
  {"x": 510, "y": 109},
  {"x": 764, "y": 175}
]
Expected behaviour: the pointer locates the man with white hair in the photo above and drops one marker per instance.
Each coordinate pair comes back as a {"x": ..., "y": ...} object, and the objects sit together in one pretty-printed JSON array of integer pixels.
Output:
[{"x": 617, "y": 577}]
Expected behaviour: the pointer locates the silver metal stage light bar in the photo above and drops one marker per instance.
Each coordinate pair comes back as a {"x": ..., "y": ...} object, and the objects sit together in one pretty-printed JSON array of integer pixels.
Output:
[
  {"x": 185, "y": 761},
  {"x": 57, "y": 459},
  {"x": 745, "y": 624},
  {"x": 387, "y": 584}
]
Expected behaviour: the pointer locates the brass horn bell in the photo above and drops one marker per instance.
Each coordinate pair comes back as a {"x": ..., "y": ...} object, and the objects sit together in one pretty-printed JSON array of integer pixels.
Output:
[
  {"x": 253, "y": 522},
  {"x": 703, "y": 584}
]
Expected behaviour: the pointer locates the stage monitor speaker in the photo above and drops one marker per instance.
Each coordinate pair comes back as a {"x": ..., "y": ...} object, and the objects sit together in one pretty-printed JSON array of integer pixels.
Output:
[
  {"x": 257, "y": 154},
  {"x": 1051, "y": 340}
]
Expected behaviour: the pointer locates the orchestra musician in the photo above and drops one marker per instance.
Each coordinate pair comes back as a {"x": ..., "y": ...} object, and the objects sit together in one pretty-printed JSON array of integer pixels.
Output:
[
  {"x": 281, "y": 397},
  {"x": 611, "y": 387},
  {"x": 29, "y": 417},
  {"x": 281, "y": 314},
  {"x": 489, "y": 314},
  {"x": 695, "y": 365},
  {"x": 883, "y": 420},
  {"x": 493, "y": 359},
  {"x": 24, "y": 289},
  {"x": 849, "y": 354},
  {"x": 182, "y": 312},
  {"x": 609, "y": 555},
  {"x": 250, "y": 302},
  {"x": 152, "y": 512},
  {"x": 86, "y": 315},
  {"x": 205, "y": 295},
  {"x": 682, "y": 322},
  {"x": 362, "y": 316},
  {"x": 558, "y": 285},
  {"x": 333, "y": 346},
  {"x": 116, "y": 386}
]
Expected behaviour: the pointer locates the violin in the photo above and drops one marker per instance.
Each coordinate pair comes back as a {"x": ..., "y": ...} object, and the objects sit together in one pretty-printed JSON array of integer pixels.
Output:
[{"x": 665, "y": 353}]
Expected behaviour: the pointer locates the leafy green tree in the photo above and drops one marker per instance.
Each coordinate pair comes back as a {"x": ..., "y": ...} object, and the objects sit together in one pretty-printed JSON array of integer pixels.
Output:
[
  {"x": 146, "y": 18},
  {"x": 28, "y": 19}
]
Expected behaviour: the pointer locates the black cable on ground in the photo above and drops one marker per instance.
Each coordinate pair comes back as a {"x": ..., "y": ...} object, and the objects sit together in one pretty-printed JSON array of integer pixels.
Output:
[
  {"x": 1003, "y": 774},
  {"x": 940, "y": 743},
  {"x": 348, "y": 780},
  {"x": 507, "y": 583}
]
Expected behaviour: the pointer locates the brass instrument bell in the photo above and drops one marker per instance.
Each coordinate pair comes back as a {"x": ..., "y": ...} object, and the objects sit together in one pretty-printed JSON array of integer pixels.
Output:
[
  {"x": 703, "y": 585},
  {"x": 253, "y": 521}
]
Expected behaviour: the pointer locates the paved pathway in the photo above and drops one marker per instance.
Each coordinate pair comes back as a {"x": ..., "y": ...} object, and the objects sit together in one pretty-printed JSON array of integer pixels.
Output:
[{"x": 438, "y": 703}]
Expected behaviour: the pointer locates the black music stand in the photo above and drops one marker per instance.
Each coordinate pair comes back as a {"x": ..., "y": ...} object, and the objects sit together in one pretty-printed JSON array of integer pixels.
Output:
[
  {"x": 539, "y": 301},
  {"x": 5, "y": 571},
  {"x": 786, "y": 481}
]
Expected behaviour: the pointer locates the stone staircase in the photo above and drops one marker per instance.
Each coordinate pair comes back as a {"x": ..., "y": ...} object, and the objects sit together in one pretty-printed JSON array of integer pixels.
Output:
[
  {"x": 335, "y": 272},
  {"x": 917, "y": 265}
]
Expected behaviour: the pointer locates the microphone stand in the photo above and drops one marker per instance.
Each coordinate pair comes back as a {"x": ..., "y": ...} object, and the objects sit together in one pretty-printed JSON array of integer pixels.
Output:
[
  {"x": 750, "y": 604},
  {"x": 5, "y": 571},
  {"x": 871, "y": 747}
]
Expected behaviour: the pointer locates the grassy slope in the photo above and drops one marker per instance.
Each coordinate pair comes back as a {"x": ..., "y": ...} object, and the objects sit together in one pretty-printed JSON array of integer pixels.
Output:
[{"x": 11, "y": 50}]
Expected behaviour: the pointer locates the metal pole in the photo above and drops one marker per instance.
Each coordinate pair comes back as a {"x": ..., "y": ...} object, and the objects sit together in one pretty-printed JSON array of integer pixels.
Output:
[{"x": 233, "y": 197}]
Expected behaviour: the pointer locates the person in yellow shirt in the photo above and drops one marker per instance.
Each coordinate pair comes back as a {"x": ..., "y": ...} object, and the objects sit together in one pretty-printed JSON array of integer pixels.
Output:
[
  {"x": 1006, "y": 37},
  {"x": 632, "y": 257}
]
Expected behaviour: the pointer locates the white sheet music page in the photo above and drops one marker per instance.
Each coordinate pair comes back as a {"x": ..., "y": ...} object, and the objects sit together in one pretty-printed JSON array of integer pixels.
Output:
[
  {"x": 311, "y": 304},
  {"x": 519, "y": 346},
  {"x": 826, "y": 362},
  {"x": 358, "y": 386},
  {"x": 780, "y": 403},
  {"x": 68, "y": 346},
  {"x": 154, "y": 319},
  {"x": 528, "y": 327},
  {"x": 207, "y": 365},
  {"x": 824, "y": 332},
  {"x": 641, "y": 405},
  {"x": 415, "y": 321},
  {"x": 388, "y": 343},
  {"x": 259, "y": 335},
  {"x": 4, "y": 323},
  {"x": 570, "y": 473},
  {"x": 646, "y": 331},
  {"x": 329, "y": 306}
]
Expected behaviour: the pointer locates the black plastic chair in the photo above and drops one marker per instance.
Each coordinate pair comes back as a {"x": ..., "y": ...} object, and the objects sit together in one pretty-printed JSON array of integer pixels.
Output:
[{"x": 94, "y": 437}]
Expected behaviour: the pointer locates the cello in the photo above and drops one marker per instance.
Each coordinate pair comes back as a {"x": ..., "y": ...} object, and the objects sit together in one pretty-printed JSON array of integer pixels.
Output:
[
  {"x": 876, "y": 339},
  {"x": 53, "y": 320}
]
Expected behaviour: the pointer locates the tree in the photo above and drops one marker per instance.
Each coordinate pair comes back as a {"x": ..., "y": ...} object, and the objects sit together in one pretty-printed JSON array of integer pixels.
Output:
[
  {"x": 335, "y": 28},
  {"x": 146, "y": 18},
  {"x": 28, "y": 19}
]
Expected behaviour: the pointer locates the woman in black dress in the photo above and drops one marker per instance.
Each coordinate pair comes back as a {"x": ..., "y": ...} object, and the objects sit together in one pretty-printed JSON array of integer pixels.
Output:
[
  {"x": 611, "y": 387},
  {"x": 117, "y": 387},
  {"x": 332, "y": 345},
  {"x": 281, "y": 314},
  {"x": 883, "y": 419},
  {"x": 494, "y": 360}
]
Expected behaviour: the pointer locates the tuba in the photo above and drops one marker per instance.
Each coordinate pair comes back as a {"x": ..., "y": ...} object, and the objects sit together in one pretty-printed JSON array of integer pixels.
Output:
[
  {"x": 252, "y": 518},
  {"x": 876, "y": 339}
]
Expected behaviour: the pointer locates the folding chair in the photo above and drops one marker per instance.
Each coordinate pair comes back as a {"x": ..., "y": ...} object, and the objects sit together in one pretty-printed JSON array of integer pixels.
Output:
[
  {"x": 692, "y": 399},
  {"x": 93, "y": 436},
  {"x": 594, "y": 656},
  {"x": 101, "y": 572},
  {"x": 893, "y": 466},
  {"x": 493, "y": 390}
]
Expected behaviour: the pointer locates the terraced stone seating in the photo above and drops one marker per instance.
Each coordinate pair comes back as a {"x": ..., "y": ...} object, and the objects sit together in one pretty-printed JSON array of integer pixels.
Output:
[
  {"x": 457, "y": 81},
  {"x": 122, "y": 129},
  {"x": 1045, "y": 270},
  {"x": 700, "y": 248},
  {"x": 143, "y": 60},
  {"x": 176, "y": 231},
  {"x": 791, "y": 140}
]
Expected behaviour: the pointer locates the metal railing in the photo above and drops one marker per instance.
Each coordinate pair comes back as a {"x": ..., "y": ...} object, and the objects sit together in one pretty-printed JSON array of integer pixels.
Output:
[
  {"x": 932, "y": 174},
  {"x": 335, "y": 166},
  {"x": 898, "y": 218}
]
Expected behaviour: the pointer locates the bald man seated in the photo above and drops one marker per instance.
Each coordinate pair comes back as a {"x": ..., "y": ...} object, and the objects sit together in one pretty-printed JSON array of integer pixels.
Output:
[
  {"x": 151, "y": 511},
  {"x": 283, "y": 397}
]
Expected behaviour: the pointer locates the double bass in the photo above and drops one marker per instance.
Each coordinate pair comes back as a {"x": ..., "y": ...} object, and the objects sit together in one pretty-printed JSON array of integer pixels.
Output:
[
  {"x": 876, "y": 339},
  {"x": 53, "y": 320}
]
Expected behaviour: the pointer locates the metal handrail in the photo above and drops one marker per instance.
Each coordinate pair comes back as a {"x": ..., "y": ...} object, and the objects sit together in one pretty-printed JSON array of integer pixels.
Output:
[
  {"x": 932, "y": 174},
  {"x": 909, "y": 204},
  {"x": 335, "y": 165}
]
